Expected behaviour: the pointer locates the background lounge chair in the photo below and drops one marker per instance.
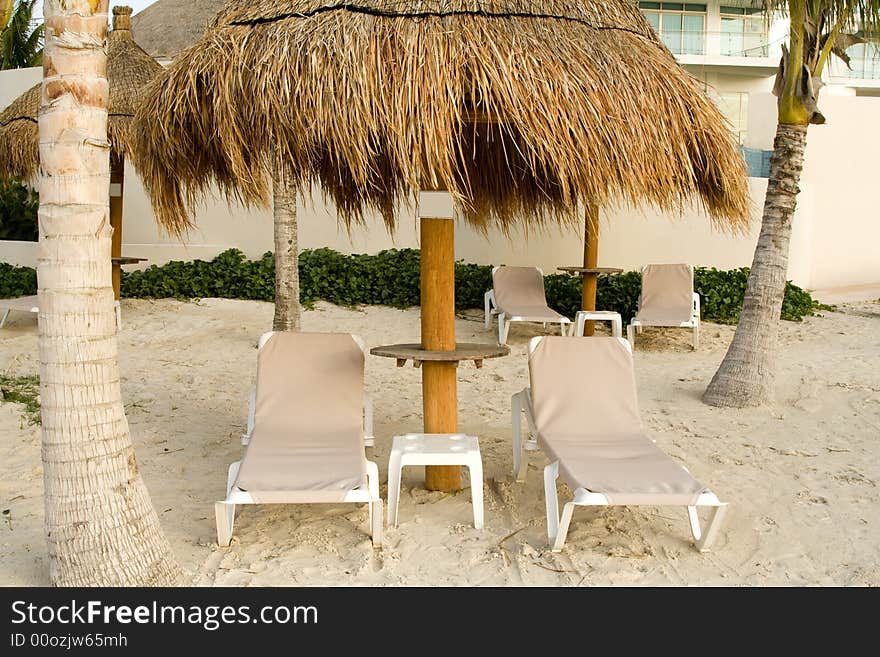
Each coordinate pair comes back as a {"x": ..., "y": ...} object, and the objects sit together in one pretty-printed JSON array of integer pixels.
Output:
[
  {"x": 517, "y": 295},
  {"x": 667, "y": 299}
]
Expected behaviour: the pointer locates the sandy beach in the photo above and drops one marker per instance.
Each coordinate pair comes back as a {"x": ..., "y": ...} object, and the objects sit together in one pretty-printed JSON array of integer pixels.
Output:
[{"x": 801, "y": 475}]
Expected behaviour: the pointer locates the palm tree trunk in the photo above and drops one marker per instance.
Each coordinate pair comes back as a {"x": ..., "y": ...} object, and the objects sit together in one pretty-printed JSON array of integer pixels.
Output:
[
  {"x": 287, "y": 308},
  {"x": 101, "y": 527},
  {"x": 746, "y": 375}
]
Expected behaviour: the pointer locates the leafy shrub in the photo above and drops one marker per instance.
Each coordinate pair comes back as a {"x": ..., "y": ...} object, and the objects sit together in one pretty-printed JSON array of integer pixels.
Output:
[
  {"x": 17, "y": 281},
  {"x": 18, "y": 211},
  {"x": 391, "y": 278}
]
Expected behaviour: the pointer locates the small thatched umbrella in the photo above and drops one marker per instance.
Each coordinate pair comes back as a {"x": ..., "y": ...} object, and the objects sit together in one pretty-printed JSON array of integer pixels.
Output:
[
  {"x": 521, "y": 110},
  {"x": 129, "y": 70}
]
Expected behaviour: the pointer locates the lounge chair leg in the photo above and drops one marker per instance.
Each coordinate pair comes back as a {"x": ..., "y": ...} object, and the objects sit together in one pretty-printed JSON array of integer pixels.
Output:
[
  {"x": 225, "y": 515},
  {"x": 376, "y": 516},
  {"x": 118, "y": 308},
  {"x": 3, "y": 320},
  {"x": 373, "y": 478},
  {"x": 712, "y": 527},
  {"x": 551, "y": 500},
  {"x": 476, "y": 474},
  {"x": 562, "y": 532},
  {"x": 631, "y": 335},
  {"x": 503, "y": 329},
  {"x": 696, "y": 335},
  {"x": 487, "y": 304},
  {"x": 695, "y": 523},
  {"x": 393, "y": 487},
  {"x": 563, "y": 332}
]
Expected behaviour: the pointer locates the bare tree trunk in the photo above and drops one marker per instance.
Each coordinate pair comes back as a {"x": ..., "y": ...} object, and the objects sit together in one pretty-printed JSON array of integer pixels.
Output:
[
  {"x": 101, "y": 527},
  {"x": 287, "y": 308},
  {"x": 746, "y": 375}
]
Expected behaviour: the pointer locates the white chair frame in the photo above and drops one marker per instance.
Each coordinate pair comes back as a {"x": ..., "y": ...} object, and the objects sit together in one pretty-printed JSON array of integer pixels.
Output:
[
  {"x": 635, "y": 326},
  {"x": 366, "y": 494},
  {"x": 557, "y": 527},
  {"x": 490, "y": 307}
]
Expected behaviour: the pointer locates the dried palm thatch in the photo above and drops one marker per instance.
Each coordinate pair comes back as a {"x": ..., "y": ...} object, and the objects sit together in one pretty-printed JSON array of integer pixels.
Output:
[
  {"x": 520, "y": 109},
  {"x": 129, "y": 70}
]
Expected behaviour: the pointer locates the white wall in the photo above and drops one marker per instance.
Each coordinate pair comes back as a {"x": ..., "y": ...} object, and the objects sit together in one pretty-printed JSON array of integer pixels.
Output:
[
  {"x": 841, "y": 161},
  {"x": 15, "y": 82}
]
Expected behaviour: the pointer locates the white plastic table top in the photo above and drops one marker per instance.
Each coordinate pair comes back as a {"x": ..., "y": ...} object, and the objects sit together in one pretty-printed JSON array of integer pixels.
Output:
[
  {"x": 435, "y": 449},
  {"x": 599, "y": 315}
]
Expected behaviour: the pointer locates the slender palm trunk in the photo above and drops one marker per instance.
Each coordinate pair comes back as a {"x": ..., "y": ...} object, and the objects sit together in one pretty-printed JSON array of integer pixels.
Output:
[
  {"x": 101, "y": 527},
  {"x": 287, "y": 308},
  {"x": 746, "y": 375}
]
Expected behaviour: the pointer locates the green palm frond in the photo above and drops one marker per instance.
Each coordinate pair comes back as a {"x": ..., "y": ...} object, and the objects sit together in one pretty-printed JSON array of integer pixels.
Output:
[{"x": 21, "y": 44}]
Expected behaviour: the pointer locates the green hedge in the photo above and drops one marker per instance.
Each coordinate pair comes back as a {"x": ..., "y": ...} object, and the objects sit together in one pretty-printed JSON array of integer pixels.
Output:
[
  {"x": 18, "y": 211},
  {"x": 391, "y": 278}
]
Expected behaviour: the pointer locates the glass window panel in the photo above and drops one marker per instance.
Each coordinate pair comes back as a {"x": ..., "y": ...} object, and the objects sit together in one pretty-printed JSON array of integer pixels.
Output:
[
  {"x": 649, "y": 5},
  {"x": 695, "y": 8},
  {"x": 654, "y": 19},
  {"x": 670, "y": 32},
  {"x": 672, "y": 6},
  {"x": 671, "y": 22},
  {"x": 731, "y": 10},
  {"x": 693, "y": 34}
]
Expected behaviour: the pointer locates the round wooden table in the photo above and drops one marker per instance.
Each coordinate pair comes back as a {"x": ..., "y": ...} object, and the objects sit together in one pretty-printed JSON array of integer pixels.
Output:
[
  {"x": 591, "y": 270},
  {"x": 463, "y": 351}
]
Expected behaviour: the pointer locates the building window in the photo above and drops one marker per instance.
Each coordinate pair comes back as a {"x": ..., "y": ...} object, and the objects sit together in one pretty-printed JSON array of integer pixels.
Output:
[
  {"x": 735, "y": 108},
  {"x": 682, "y": 27},
  {"x": 864, "y": 61},
  {"x": 743, "y": 32}
]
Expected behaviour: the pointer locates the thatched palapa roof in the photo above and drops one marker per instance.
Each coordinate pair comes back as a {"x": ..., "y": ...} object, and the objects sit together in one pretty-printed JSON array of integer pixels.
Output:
[
  {"x": 129, "y": 70},
  {"x": 168, "y": 26},
  {"x": 521, "y": 109}
]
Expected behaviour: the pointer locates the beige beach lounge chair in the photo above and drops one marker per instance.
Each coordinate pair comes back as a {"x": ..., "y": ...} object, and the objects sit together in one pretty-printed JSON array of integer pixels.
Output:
[
  {"x": 21, "y": 305},
  {"x": 517, "y": 295},
  {"x": 593, "y": 436},
  {"x": 307, "y": 443},
  {"x": 667, "y": 299}
]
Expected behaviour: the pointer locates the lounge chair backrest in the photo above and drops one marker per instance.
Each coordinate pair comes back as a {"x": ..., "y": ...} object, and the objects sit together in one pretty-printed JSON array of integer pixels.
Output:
[
  {"x": 667, "y": 288},
  {"x": 583, "y": 387},
  {"x": 517, "y": 287},
  {"x": 311, "y": 384}
]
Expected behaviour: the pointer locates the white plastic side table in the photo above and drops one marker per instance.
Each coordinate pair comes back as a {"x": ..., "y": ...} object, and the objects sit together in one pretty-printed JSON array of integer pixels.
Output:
[
  {"x": 599, "y": 316},
  {"x": 435, "y": 449}
]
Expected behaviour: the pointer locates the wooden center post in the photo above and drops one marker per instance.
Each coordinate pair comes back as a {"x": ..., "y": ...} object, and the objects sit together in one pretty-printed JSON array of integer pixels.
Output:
[
  {"x": 117, "y": 183},
  {"x": 439, "y": 385},
  {"x": 591, "y": 261}
]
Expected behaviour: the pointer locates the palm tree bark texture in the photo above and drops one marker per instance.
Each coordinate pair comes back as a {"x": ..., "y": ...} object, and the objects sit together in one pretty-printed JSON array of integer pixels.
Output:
[
  {"x": 287, "y": 307},
  {"x": 747, "y": 373},
  {"x": 101, "y": 527}
]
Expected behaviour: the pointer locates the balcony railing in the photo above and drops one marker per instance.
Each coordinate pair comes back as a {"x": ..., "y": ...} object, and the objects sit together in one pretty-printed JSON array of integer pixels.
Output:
[
  {"x": 732, "y": 44},
  {"x": 745, "y": 44},
  {"x": 684, "y": 42},
  {"x": 871, "y": 71}
]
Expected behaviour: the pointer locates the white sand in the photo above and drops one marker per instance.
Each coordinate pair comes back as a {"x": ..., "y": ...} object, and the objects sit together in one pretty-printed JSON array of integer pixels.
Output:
[{"x": 802, "y": 476}]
